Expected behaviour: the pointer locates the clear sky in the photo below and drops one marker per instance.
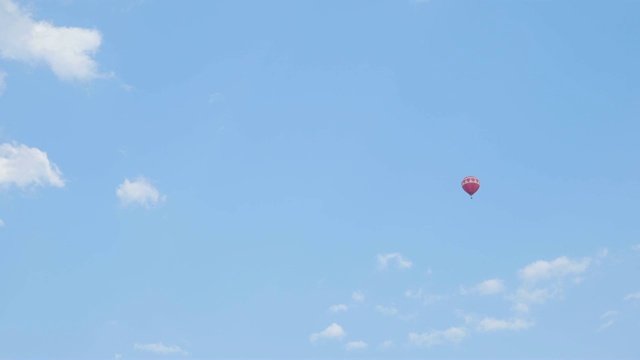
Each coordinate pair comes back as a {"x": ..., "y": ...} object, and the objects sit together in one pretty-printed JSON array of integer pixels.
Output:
[{"x": 281, "y": 179}]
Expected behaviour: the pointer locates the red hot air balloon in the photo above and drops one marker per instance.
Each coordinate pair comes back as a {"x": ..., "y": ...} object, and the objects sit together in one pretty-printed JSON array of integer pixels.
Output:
[{"x": 470, "y": 184}]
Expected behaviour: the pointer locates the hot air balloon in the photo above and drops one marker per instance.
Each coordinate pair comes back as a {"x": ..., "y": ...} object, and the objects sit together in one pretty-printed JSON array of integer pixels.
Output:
[{"x": 470, "y": 185}]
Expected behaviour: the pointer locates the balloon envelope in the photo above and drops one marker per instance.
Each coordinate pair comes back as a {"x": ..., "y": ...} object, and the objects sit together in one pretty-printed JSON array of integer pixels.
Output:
[{"x": 470, "y": 185}]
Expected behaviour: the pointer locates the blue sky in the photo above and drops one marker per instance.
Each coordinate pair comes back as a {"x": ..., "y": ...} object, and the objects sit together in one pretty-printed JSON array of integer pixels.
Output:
[{"x": 281, "y": 179}]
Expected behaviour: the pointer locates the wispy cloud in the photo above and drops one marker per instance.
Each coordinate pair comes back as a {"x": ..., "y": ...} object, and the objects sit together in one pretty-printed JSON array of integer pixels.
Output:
[
  {"x": 139, "y": 192},
  {"x": 491, "y": 324},
  {"x": 437, "y": 337},
  {"x": 560, "y": 267},
  {"x": 488, "y": 287},
  {"x": 386, "y": 310},
  {"x": 131, "y": 5},
  {"x": 602, "y": 253},
  {"x": 68, "y": 51},
  {"x": 3, "y": 82},
  {"x": 423, "y": 296},
  {"x": 401, "y": 262},
  {"x": 521, "y": 307},
  {"x": 160, "y": 348},
  {"x": 634, "y": 296},
  {"x": 635, "y": 247},
  {"x": 357, "y": 296},
  {"x": 608, "y": 318},
  {"x": 413, "y": 294},
  {"x": 544, "y": 280},
  {"x": 1, "y": 223},
  {"x": 24, "y": 166},
  {"x": 338, "y": 308},
  {"x": 215, "y": 97},
  {"x": 356, "y": 345},
  {"x": 386, "y": 345},
  {"x": 536, "y": 296},
  {"x": 127, "y": 87},
  {"x": 468, "y": 318},
  {"x": 333, "y": 331}
]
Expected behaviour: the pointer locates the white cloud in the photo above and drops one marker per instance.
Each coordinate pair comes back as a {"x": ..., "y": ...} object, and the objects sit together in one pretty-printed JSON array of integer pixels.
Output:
[
  {"x": 491, "y": 324},
  {"x": 333, "y": 331},
  {"x": 421, "y": 295},
  {"x": 386, "y": 310},
  {"x": 635, "y": 247},
  {"x": 603, "y": 253},
  {"x": 436, "y": 337},
  {"x": 118, "y": 356},
  {"x": 357, "y": 296},
  {"x": 387, "y": 344},
  {"x": 488, "y": 287},
  {"x": 127, "y": 87},
  {"x": 24, "y": 166},
  {"x": 411, "y": 294},
  {"x": 139, "y": 191},
  {"x": 467, "y": 317},
  {"x": 520, "y": 307},
  {"x": 401, "y": 262},
  {"x": 544, "y": 280},
  {"x": 606, "y": 324},
  {"x": 609, "y": 317},
  {"x": 634, "y": 296},
  {"x": 3, "y": 82},
  {"x": 215, "y": 97},
  {"x": 599, "y": 258},
  {"x": 67, "y": 51},
  {"x": 356, "y": 345},
  {"x": 558, "y": 268},
  {"x": 160, "y": 348},
  {"x": 130, "y": 5},
  {"x": 338, "y": 308},
  {"x": 535, "y": 296},
  {"x": 1, "y": 223}
]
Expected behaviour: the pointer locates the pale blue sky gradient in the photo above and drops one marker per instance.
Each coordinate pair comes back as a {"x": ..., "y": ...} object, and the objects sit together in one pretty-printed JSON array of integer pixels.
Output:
[{"x": 294, "y": 144}]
